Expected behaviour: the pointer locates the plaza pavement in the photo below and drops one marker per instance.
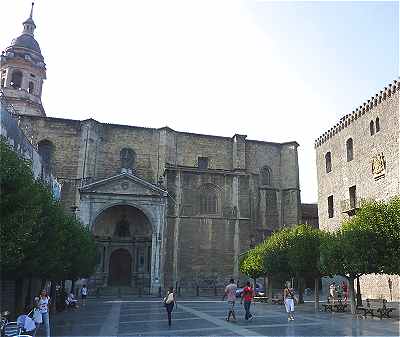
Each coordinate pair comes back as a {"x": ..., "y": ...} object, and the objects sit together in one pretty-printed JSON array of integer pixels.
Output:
[{"x": 135, "y": 316}]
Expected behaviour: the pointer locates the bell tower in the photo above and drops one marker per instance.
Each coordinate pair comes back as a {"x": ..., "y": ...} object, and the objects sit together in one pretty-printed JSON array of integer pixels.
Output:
[{"x": 22, "y": 72}]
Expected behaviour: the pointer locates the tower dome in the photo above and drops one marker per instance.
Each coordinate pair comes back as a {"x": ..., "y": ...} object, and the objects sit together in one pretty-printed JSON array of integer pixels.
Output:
[{"x": 23, "y": 71}]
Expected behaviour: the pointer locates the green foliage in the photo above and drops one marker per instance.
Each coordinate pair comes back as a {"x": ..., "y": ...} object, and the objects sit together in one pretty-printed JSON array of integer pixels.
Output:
[
  {"x": 19, "y": 208},
  {"x": 289, "y": 252},
  {"x": 37, "y": 237},
  {"x": 382, "y": 221},
  {"x": 252, "y": 264},
  {"x": 276, "y": 260}
]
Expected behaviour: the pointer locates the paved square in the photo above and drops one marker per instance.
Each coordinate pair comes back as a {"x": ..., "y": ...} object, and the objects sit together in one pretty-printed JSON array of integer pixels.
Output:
[{"x": 206, "y": 317}]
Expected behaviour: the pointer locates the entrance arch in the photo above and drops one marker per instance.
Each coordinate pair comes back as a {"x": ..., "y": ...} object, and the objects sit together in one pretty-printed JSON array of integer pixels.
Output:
[
  {"x": 124, "y": 237},
  {"x": 120, "y": 272}
]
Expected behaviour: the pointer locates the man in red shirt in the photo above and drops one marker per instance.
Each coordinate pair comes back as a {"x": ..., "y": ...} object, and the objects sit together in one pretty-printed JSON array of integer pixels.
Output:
[{"x": 247, "y": 297}]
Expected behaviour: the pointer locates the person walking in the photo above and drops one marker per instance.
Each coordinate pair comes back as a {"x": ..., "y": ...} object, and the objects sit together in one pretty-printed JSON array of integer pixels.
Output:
[
  {"x": 333, "y": 291},
  {"x": 230, "y": 293},
  {"x": 288, "y": 298},
  {"x": 43, "y": 302},
  {"x": 345, "y": 291},
  {"x": 247, "y": 298},
  {"x": 169, "y": 302},
  {"x": 84, "y": 293}
]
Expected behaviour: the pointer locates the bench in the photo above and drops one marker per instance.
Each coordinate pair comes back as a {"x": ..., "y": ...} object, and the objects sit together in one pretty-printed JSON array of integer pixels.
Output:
[
  {"x": 335, "y": 305},
  {"x": 277, "y": 300},
  {"x": 261, "y": 299},
  {"x": 377, "y": 306}
]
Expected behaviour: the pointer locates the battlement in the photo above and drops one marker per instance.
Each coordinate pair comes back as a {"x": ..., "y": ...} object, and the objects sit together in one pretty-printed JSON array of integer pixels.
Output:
[{"x": 370, "y": 104}]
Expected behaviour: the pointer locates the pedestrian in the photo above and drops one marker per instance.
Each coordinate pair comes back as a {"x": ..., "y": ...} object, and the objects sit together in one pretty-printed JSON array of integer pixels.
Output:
[
  {"x": 43, "y": 302},
  {"x": 345, "y": 290},
  {"x": 84, "y": 293},
  {"x": 230, "y": 293},
  {"x": 169, "y": 302},
  {"x": 288, "y": 298},
  {"x": 247, "y": 297},
  {"x": 333, "y": 291}
]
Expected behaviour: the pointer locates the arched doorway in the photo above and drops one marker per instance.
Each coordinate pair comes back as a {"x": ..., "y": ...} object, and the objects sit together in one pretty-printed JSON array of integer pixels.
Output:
[
  {"x": 120, "y": 268},
  {"x": 124, "y": 238}
]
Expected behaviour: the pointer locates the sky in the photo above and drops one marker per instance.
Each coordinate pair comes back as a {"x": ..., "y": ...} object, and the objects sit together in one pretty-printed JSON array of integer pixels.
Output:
[{"x": 274, "y": 71}]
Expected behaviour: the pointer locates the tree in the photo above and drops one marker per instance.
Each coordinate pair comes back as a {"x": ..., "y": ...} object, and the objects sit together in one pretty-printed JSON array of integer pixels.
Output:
[
  {"x": 303, "y": 256},
  {"x": 252, "y": 264},
  {"x": 350, "y": 252},
  {"x": 38, "y": 238},
  {"x": 19, "y": 208}
]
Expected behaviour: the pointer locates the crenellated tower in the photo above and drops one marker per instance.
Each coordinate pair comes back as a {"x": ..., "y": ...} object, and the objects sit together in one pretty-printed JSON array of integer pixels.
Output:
[{"x": 22, "y": 71}]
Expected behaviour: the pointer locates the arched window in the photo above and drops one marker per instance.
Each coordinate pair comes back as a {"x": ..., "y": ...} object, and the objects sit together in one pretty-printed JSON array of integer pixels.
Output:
[
  {"x": 377, "y": 125},
  {"x": 31, "y": 87},
  {"x": 46, "y": 152},
  {"x": 266, "y": 175},
  {"x": 127, "y": 157},
  {"x": 349, "y": 149},
  {"x": 371, "y": 128},
  {"x": 209, "y": 201},
  {"x": 328, "y": 162},
  {"x": 16, "y": 79}
]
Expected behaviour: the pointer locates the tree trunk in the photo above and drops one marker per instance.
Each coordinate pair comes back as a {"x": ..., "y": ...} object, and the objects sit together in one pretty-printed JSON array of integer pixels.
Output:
[
  {"x": 72, "y": 286},
  {"x": 42, "y": 284},
  {"x": 316, "y": 294},
  {"x": 270, "y": 288},
  {"x": 19, "y": 283},
  {"x": 28, "y": 297},
  {"x": 351, "y": 295},
  {"x": 359, "y": 299},
  {"x": 301, "y": 290},
  {"x": 53, "y": 297},
  {"x": 265, "y": 285}
]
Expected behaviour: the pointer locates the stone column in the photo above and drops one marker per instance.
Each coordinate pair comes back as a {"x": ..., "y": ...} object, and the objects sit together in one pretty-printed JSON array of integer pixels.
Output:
[
  {"x": 236, "y": 248},
  {"x": 239, "y": 152},
  {"x": 178, "y": 202}
]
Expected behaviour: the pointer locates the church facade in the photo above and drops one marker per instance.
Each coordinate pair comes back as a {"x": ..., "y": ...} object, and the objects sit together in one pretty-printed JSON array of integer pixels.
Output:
[{"x": 165, "y": 207}]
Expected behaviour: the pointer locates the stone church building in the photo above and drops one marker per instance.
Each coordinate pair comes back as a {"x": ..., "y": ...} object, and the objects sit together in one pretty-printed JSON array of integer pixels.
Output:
[{"x": 165, "y": 207}]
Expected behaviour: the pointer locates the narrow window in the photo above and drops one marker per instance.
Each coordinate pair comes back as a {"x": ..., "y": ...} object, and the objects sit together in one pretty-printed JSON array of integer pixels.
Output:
[
  {"x": 330, "y": 206},
  {"x": 349, "y": 149},
  {"x": 328, "y": 162},
  {"x": 352, "y": 195},
  {"x": 202, "y": 163},
  {"x": 208, "y": 200},
  {"x": 46, "y": 151},
  {"x": 16, "y": 79},
  {"x": 377, "y": 125},
  {"x": 371, "y": 128},
  {"x": 2, "y": 82},
  {"x": 31, "y": 87},
  {"x": 266, "y": 175}
]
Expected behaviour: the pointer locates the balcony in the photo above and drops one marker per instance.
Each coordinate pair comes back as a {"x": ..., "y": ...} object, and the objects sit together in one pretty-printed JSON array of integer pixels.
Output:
[{"x": 350, "y": 206}]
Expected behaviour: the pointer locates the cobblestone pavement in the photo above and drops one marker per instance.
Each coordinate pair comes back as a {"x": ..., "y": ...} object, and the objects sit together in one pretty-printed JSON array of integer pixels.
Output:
[{"x": 206, "y": 317}]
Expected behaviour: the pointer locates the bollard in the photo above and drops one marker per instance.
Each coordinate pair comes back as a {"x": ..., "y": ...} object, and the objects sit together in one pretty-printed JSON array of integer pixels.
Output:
[
  {"x": 215, "y": 290},
  {"x": 159, "y": 291},
  {"x": 197, "y": 291}
]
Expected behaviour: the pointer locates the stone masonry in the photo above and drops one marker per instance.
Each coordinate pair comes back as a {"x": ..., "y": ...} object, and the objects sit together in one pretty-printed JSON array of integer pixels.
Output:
[
  {"x": 363, "y": 164},
  {"x": 165, "y": 207}
]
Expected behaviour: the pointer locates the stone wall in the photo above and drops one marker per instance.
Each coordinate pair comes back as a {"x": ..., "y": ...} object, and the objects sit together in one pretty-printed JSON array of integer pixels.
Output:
[
  {"x": 198, "y": 246},
  {"x": 359, "y": 171}
]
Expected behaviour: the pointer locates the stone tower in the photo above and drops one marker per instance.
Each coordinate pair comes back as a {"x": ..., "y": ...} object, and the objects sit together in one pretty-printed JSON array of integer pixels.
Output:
[{"x": 22, "y": 71}]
